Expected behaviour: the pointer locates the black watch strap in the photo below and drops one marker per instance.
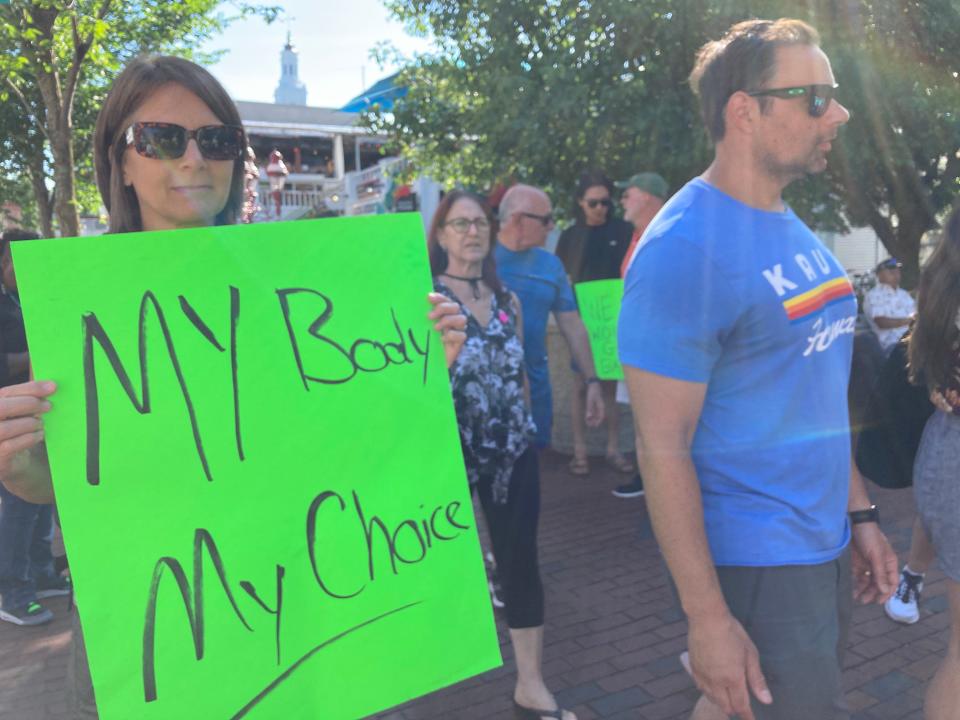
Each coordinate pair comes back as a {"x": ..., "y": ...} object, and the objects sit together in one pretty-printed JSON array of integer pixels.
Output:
[
  {"x": 871, "y": 514},
  {"x": 593, "y": 379}
]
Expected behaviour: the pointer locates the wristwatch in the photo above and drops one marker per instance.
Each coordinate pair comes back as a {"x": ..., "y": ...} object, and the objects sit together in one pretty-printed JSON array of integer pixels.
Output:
[
  {"x": 593, "y": 379},
  {"x": 871, "y": 514}
]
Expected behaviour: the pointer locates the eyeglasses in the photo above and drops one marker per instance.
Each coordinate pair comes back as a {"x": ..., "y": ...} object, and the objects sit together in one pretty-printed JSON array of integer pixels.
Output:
[
  {"x": 545, "y": 220},
  {"x": 462, "y": 225},
  {"x": 593, "y": 204},
  {"x": 167, "y": 141},
  {"x": 819, "y": 96}
]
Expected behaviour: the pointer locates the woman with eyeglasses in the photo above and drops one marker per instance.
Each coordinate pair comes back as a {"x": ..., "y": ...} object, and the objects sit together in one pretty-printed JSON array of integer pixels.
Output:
[
  {"x": 593, "y": 249},
  {"x": 169, "y": 154},
  {"x": 934, "y": 359},
  {"x": 496, "y": 428}
]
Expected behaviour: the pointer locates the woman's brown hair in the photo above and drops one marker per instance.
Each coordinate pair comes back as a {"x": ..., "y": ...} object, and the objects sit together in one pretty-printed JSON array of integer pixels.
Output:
[
  {"x": 138, "y": 81},
  {"x": 932, "y": 342},
  {"x": 438, "y": 256}
]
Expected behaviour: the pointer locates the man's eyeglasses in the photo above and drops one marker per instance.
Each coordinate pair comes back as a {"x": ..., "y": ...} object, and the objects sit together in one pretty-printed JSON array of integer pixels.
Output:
[
  {"x": 819, "y": 96},
  {"x": 594, "y": 204},
  {"x": 545, "y": 220},
  {"x": 167, "y": 141},
  {"x": 462, "y": 225}
]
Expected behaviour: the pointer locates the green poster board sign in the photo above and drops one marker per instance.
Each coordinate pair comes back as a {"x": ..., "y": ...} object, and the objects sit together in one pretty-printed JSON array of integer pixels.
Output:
[
  {"x": 599, "y": 303},
  {"x": 258, "y": 469}
]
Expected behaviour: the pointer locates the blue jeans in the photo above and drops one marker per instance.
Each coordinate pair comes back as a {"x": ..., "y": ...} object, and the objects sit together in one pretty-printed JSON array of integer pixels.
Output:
[{"x": 26, "y": 531}]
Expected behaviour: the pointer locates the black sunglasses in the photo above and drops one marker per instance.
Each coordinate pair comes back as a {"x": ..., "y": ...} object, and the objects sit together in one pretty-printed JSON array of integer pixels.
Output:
[
  {"x": 592, "y": 204},
  {"x": 819, "y": 96},
  {"x": 167, "y": 141},
  {"x": 545, "y": 220}
]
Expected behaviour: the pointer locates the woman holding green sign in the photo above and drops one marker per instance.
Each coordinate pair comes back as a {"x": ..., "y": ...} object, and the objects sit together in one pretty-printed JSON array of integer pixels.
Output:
[
  {"x": 496, "y": 429},
  {"x": 169, "y": 154}
]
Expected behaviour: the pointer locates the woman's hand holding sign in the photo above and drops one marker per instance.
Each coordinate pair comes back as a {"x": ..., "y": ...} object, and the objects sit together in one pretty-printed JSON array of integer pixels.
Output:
[
  {"x": 23, "y": 467},
  {"x": 450, "y": 322}
]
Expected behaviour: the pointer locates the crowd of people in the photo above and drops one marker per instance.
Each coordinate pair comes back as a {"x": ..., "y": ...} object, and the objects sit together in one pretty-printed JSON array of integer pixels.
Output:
[{"x": 736, "y": 335}]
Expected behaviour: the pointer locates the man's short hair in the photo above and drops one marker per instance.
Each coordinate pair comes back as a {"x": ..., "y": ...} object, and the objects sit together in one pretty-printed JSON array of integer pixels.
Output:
[
  {"x": 514, "y": 200},
  {"x": 743, "y": 59}
]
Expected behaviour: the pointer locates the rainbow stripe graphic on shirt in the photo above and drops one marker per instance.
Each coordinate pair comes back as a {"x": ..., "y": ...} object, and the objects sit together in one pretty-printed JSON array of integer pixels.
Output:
[{"x": 802, "y": 306}]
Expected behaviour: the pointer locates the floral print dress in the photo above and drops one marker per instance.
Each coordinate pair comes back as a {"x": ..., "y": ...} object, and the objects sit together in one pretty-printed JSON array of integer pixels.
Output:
[{"x": 487, "y": 381}]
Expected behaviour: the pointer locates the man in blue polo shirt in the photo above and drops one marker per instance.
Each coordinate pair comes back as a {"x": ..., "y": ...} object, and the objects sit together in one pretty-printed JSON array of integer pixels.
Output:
[
  {"x": 736, "y": 338},
  {"x": 540, "y": 281}
]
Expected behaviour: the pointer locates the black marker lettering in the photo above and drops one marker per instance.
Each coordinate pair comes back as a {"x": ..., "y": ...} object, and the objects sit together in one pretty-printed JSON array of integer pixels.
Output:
[
  {"x": 365, "y": 355},
  {"x": 235, "y": 366},
  {"x": 422, "y": 353},
  {"x": 194, "y": 606},
  {"x": 433, "y": 526},
  {"x": 451, "y": 510},
  {"x": 416, "y": 532},
  {"x": 194, "y": 317},
  {"x": 368, "y": 533},
  {"x": 93, "y": 331},
  {"x": 312, "y": 543},
  {"x": 277, "y": 612},
  {"x": 314, "y": 330}
]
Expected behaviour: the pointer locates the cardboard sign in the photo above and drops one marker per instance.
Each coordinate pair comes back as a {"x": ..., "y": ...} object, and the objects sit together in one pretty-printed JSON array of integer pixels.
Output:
[
  {"x": 257, "y": 468},
  {"x": 599, "y": 303}
]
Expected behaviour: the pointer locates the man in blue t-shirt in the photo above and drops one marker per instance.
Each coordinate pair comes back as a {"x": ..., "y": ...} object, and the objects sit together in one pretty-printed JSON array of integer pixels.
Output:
[
  {"x": 540, "y": 281},
  {"x": 736, "y": 336}
]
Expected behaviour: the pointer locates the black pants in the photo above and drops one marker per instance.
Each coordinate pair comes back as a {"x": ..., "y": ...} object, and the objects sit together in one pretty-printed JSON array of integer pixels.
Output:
[{"x": 513, "y": 533}]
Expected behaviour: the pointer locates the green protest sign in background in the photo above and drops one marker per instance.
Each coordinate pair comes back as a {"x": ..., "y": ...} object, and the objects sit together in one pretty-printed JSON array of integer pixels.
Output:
[
  {"x": 599, "y": 303},
  {"x": 257, "y": 468}
]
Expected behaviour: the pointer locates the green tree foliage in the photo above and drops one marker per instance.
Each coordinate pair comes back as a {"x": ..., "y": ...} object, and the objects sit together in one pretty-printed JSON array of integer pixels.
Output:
[
  {"x": 57, "y": 59},
  {"x": 540, "y": 90}
]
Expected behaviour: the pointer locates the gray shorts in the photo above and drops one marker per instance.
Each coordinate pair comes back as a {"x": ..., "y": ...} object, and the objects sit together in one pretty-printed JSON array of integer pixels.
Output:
[
  {"x": 936, "y": 488},
  {"x": 798, "y": 616}
]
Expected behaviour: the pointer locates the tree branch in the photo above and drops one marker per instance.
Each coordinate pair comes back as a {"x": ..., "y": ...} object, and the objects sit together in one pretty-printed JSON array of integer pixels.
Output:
[
  {"x": 22, "y": 99},
  {"x": 81, "y": 47}
]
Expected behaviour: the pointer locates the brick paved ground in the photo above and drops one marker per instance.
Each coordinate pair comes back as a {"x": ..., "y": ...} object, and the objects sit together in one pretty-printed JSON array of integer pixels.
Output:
[{"x": 613, "y": 634}]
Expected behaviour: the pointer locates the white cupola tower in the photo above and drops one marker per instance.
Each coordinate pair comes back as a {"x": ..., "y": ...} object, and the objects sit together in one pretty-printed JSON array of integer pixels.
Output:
[{"x": 290, "y": 91}]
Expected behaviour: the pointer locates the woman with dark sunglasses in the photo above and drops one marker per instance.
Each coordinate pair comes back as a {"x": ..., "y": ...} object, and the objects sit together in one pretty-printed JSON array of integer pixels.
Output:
[
  {"x": 593, "y": 249},
  {"x": 169, "y": 154}
]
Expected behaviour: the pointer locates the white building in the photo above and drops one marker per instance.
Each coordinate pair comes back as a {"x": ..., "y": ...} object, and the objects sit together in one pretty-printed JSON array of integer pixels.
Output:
[{"x": 290, "y": 91}]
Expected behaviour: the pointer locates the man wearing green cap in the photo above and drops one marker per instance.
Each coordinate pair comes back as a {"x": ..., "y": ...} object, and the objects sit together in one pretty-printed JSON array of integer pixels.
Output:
[{"x": 643, "y": 195}]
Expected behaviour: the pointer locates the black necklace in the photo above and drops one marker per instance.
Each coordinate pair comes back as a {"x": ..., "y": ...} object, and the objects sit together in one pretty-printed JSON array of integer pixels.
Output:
[{"x": 474, "y": 283}]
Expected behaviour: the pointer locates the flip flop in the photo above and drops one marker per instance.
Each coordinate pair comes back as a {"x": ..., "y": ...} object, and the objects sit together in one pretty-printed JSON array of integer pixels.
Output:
[
  {"x": 578, "y": 466},
  {"x": 619, "y": 463},
  {"x": 522, "y": 712}
]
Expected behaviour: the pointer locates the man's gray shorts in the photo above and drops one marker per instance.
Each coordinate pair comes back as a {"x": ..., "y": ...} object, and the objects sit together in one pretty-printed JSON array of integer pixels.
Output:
[{"x": 798, "y": 616}]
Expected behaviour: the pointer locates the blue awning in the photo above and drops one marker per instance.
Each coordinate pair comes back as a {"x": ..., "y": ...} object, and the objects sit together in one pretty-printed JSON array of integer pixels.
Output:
[{"x": 384, "y": 93}]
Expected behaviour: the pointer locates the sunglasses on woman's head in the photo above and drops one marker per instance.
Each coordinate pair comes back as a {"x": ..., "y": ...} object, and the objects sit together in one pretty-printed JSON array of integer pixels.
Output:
[
  {"x": 819, "y": 96},
  {"x": 167, "y": 141},
  {"x": 592, "y": 204}
]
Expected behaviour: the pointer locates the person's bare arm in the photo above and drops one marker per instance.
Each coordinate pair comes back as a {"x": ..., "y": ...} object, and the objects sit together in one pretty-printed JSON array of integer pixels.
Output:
[
  {"x": 724, "y": 660},
  {"x": 575, "y": 333},
  {"x": 872, "y": 561},
  {"x": 888, "y": 323},
  {"x": 24, "y": 469}
]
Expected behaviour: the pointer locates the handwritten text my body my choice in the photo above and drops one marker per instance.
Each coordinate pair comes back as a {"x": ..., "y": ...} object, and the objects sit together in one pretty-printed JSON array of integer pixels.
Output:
[{"x": 417, "y": 534}]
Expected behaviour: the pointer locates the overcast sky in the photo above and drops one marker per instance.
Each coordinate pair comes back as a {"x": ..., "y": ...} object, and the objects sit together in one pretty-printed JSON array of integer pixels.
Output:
[{"x": 334, "y": 39}]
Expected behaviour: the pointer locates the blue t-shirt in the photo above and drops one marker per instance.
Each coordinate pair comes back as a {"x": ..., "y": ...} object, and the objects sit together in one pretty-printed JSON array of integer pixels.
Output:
[
  {"x": 752, "y": 304},
  {"x": 540, "y": 282}
]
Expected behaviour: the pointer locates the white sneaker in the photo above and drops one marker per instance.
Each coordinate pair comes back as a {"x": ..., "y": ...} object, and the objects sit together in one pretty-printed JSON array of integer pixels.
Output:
[{"x": 904, "y": 606}]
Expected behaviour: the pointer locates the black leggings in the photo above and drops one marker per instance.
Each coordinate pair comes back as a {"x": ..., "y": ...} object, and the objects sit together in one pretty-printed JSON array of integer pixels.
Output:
[{"x": 513, "y": 533}]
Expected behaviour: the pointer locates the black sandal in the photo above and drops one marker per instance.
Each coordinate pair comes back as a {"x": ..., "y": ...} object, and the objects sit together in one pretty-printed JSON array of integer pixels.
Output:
[{"x": 521, "y": 712}]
